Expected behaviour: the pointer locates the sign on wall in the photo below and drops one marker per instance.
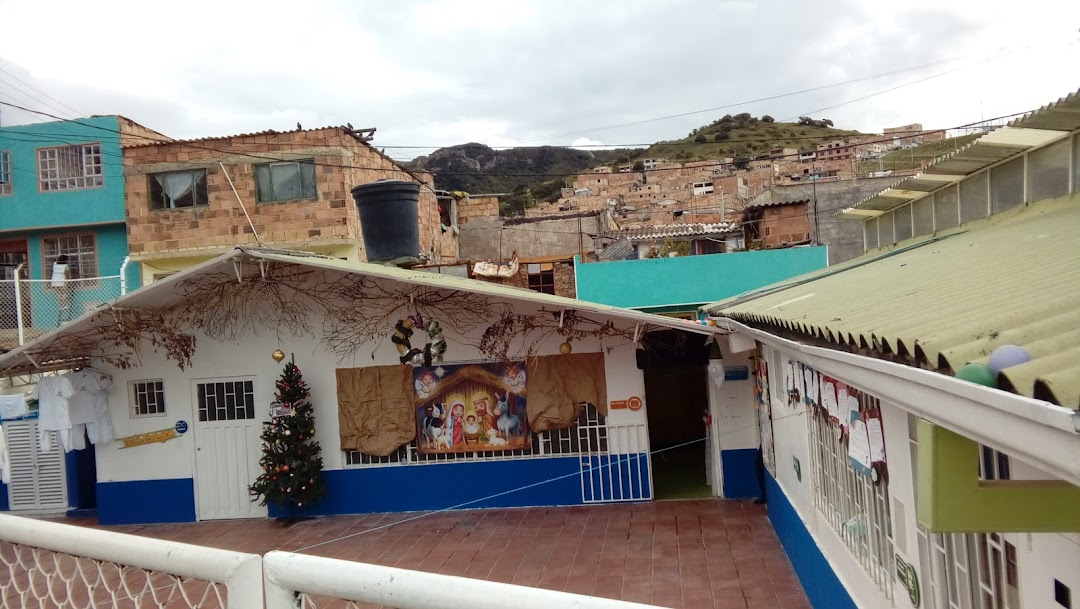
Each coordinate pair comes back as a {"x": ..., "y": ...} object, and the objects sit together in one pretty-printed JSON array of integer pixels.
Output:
[{"x": 471, "y": 408}]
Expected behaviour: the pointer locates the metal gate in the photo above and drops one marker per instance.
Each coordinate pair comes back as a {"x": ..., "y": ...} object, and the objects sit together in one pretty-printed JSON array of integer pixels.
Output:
[{"x": 615, "y": 463}]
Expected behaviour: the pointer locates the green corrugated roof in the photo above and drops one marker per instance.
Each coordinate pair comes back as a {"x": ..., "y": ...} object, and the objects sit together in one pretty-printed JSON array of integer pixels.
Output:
[{"x": 942, "y": 302}]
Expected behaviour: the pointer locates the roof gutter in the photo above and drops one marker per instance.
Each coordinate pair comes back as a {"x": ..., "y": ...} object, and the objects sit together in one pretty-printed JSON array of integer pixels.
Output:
[{"x": 1036, "y": 432}]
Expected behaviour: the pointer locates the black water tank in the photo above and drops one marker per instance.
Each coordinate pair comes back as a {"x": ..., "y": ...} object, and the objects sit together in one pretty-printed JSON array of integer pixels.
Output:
[{"x": 389, "y": 220}]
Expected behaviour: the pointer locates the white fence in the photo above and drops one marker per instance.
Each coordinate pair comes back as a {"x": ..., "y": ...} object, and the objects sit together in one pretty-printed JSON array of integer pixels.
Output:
[
  {"x": 311, "y": 582},
  {"x": 31, "y": 307},
  {"x": 48, "y": 565},
  {"x": 52, "y": 565}
]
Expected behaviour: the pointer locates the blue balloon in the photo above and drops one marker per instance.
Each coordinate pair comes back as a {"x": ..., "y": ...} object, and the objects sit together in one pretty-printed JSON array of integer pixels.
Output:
[{"x": 1007, "y": 356}]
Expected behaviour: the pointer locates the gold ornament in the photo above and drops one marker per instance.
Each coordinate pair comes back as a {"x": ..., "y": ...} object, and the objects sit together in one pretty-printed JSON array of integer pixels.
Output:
[
  {"x": 566, "y": 348},
  {"x": 278, "y": 355}
]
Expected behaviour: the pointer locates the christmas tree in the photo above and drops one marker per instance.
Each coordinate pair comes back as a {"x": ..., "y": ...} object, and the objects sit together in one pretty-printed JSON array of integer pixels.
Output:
[{"x": 291, "y": 461}]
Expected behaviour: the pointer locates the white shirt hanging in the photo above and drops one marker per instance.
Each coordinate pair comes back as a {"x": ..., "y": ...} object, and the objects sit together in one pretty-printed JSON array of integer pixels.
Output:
[
  {"x": 13, "y": 406},
  {"x": 54, "y": 411}
]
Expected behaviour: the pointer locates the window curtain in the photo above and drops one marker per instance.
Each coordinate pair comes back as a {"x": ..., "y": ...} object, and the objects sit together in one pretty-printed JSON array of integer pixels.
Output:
[
  {"x": 175, "y": 186},
  {"x": 375, "y": 409},
  {"x": 558, "y": 384}
]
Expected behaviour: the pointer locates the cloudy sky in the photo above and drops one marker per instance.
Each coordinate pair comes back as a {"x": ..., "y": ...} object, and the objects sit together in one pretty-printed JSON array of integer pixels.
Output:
[{"x": 443, "y": 72}]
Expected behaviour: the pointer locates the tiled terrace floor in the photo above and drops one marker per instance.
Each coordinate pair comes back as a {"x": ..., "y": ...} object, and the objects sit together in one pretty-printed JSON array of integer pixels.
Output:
[{"x": 683, "y": 554}]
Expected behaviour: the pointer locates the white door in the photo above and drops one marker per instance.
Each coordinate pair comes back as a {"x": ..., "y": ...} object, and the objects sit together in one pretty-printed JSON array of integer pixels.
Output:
[
  {"x": 38, "y": 480},
  {"x": 227, "y": 448}
]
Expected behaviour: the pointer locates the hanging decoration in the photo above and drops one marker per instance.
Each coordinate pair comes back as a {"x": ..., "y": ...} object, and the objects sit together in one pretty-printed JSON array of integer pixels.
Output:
[
  {"x": 529, "y": 332},
  {"x": 292, "y": 459},
  {"x": 432, "y": 351}
]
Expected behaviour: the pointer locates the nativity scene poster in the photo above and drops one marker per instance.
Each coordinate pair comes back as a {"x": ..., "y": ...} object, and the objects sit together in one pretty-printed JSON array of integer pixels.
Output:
[{"x": 471, "y": 408}]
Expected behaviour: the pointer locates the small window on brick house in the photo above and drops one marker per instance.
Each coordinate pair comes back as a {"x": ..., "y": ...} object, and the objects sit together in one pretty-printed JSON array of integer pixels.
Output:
[
  {"x": 289, "y": 181},
  {"x": 768, "y": 231},
  {"x": 70, "y": 167},
  {"x": 5, "y": 172},
  {"x": 542, "y": 277},
  {"x": 177, "y": 189}
]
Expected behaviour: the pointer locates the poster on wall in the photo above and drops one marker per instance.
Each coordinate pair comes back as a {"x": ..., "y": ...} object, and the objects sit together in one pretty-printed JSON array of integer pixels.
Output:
[{"x": 471, "y": 408}]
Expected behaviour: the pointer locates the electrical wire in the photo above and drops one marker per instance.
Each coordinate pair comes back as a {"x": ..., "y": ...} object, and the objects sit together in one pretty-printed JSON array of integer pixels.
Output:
[
  {"x": 47, "y": 96},
  {"x": 618, "y": 461}
]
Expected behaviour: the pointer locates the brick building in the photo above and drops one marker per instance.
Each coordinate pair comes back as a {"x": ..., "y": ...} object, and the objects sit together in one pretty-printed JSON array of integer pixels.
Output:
[
  {"x": 295, "y": 186},
  {"x": 547, "y": 274},
  {"x": 781, "y": 224}
]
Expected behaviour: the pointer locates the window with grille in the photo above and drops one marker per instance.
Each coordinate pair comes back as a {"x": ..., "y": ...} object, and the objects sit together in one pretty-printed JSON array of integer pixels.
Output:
[
  {"x": 70, "y": 167},
  {"x": 589, "y": 434},
  {"x": 177, "y": 189},
  {"x": 285, "y": 181},
  {"x": 5, "y": 172},
  {"x": 542, "y": 277},
  {"x": 855, "y": 507},
  {"x": 226, "y": 400},
  {"x": 147, "y": 398},
  {"x": 81, "y": 252}
]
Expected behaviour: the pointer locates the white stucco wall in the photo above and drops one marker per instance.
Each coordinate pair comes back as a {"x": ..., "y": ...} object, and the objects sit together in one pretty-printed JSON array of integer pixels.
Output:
[
  {"x": 1041, "y": 557},
  {"x": 251, "y": 358}
]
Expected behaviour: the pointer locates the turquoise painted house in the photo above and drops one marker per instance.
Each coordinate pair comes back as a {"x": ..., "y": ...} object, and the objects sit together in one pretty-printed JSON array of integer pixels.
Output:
[
  {"x": 61, "y": 194},
  {"x": 693, "y": 390}
]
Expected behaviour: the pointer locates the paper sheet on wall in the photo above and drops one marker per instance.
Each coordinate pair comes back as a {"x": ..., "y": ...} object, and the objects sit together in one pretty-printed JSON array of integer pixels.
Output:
[
  {"x": 843, "y": 410},
  {"x": 828, "y": 398},
  {"x": 859, "y": 445},
  {"x": 877, "y": 439},
  {"x": 811, "y": 383}
]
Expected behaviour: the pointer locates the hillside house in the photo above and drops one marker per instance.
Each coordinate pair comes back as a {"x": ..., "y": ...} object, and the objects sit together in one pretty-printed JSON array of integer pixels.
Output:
[
  {"x": 62, "y": 194},
  {"x": 771, "y": 224},
  {"x": 188, "y": 201}
]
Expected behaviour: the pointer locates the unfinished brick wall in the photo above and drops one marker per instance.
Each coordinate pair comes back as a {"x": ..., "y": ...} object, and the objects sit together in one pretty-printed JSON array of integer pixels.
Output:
[
  {"x": 784, "y": 224},
  {"x": 563, "y": 274},
  {"x": 342, "y": 162},
  {"x": 471, "y": 208},
  {"x": 134, "y": 134}
]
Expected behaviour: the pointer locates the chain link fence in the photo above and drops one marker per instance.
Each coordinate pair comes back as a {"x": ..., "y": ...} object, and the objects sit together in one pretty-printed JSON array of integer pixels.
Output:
[{"x": 32, "y": 307}]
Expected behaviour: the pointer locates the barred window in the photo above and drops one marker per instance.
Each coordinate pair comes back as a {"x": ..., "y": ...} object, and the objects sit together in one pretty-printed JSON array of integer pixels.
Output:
[
  {"x": 5, "y": 172},
  {"x": 856, "y": 507},
  {"x": 589, "y": 434},
  {"x": 229, "y": 400},
  {"x": 81, "y": 252},
  {"x": 147, "y": 398},
  {"x": 70, "y": 167}
]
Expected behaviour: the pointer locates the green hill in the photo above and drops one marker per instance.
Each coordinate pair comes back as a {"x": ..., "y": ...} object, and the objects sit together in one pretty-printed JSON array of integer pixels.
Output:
[{"x": 743, "y": 135}]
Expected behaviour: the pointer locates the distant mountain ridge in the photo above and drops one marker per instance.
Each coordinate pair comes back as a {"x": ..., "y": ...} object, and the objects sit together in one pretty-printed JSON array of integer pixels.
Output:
[{"x": 477, "y": 168}]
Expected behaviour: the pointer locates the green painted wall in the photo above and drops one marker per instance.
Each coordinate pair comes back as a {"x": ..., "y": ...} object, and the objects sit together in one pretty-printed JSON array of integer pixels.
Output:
[{"x": 692, "y": 280}]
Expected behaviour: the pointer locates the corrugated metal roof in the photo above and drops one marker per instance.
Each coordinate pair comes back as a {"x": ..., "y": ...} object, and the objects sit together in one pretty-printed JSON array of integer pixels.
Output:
[
  {"x": 770, "y": 203},
  {"x": 168, "y": 292},
  {"x": 678, "y": 230},
  {"x": 946, "y": 301},
  {"x": 1032, "y": 130},
  {"x": 218, "y": 138}
]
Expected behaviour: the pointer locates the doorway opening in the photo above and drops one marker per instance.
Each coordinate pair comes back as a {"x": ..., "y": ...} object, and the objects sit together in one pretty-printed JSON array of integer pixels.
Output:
[{"x": 676, "y": 393}]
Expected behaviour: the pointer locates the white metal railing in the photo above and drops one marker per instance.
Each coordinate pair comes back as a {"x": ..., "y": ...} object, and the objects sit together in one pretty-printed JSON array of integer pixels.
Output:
[
  {"x": 48, "y": 564},
  {"x": 32, "y": 307},
  {"x": 301, "y": 581}
]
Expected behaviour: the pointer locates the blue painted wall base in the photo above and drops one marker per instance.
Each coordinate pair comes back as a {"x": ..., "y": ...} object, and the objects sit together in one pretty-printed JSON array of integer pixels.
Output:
[
  {"x": 4, "y": 506},
  {"x": 740, "y": 477},
  {"x": 486, "y": 484},
  {"x": 819, "y": 581},
  {"x": 146, "y": 501}
]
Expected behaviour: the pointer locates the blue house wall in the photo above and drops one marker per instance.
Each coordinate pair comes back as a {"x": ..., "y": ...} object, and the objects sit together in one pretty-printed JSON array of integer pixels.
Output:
[{"x": 686, "y": 282}]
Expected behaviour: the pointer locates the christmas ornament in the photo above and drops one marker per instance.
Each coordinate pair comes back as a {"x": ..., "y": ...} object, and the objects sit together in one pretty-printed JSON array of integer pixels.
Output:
[
  {"x": 978, "y": 374},
  {"x": 1007, "y": 356},
  {"x": 278, "y": 355},
  {"x": 566, "y": 348}
]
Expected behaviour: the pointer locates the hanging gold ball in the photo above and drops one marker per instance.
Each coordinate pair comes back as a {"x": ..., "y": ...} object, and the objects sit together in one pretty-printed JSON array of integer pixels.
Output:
[
  {"x": 566, "y": 348},
  {"x": 278, "y": 355}
]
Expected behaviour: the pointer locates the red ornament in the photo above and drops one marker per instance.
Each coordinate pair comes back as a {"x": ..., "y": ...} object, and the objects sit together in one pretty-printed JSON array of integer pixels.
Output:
[{"x": 285, "y": 468}]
